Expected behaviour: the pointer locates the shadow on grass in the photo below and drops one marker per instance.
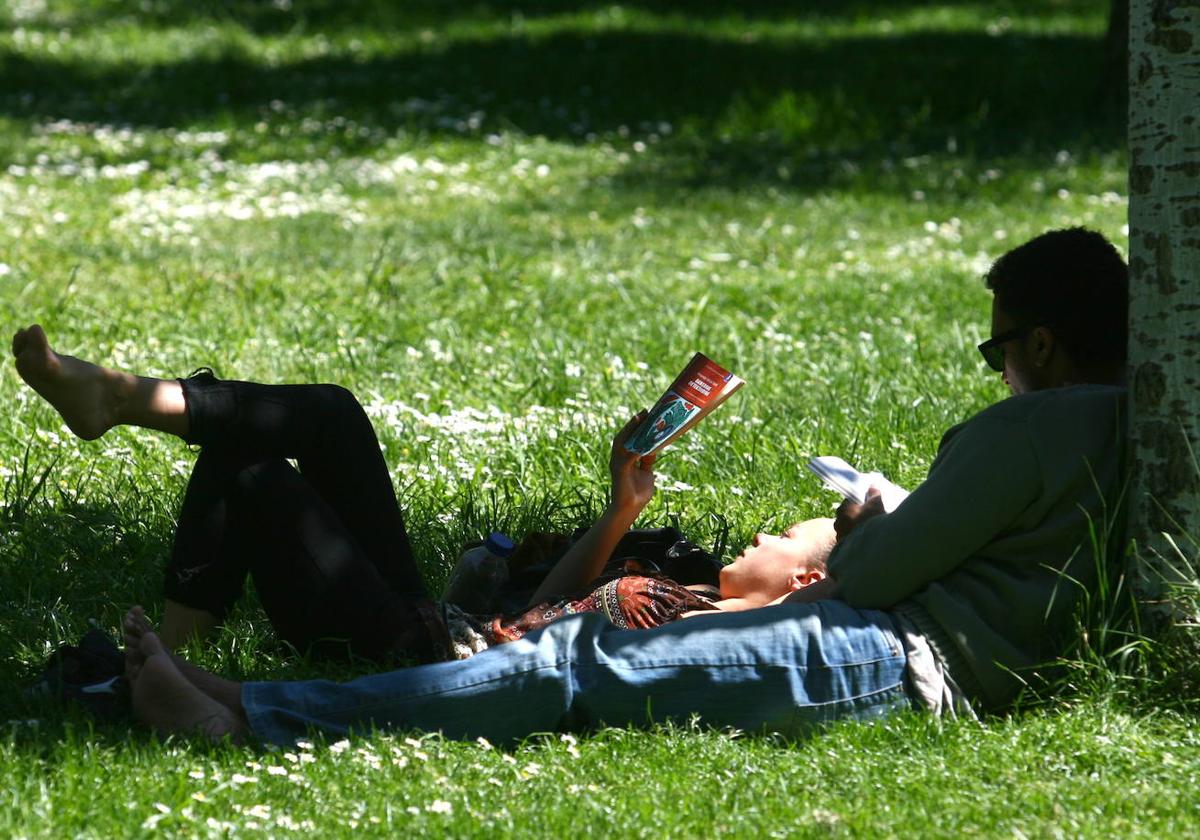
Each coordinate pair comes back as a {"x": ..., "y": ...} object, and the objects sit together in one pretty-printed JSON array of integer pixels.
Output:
[
  {"x": 723, "y": 111},
  {"x": 73, "y": 561},
  {"x": 337, "y": 15},
  {"x": 62, "y": 567}
]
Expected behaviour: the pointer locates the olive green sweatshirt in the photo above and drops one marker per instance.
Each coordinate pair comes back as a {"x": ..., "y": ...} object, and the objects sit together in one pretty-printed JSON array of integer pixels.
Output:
[{"x": 982, "y": 555}]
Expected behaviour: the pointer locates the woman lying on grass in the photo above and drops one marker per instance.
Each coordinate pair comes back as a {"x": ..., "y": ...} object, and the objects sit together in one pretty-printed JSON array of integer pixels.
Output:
[{"x": 325, "y": 542}]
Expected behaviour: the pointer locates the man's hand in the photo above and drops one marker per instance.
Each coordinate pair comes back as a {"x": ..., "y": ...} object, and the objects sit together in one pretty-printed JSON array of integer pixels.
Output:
[
  {"x": 851, "y": 514},
  {"x": 632, "y": 475}
]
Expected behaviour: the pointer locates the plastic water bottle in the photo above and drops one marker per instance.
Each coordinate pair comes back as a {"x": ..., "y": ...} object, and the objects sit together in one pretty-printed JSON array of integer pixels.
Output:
[{"x": 479, "y": 574}]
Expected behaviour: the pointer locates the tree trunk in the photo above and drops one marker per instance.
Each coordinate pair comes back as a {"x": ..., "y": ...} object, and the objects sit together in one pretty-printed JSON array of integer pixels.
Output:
[{"x": 1164, "y": 262}]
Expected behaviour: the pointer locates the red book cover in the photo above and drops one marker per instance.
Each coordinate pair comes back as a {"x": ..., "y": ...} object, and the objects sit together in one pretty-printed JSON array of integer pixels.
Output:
[{"x": 699, "y": 388}]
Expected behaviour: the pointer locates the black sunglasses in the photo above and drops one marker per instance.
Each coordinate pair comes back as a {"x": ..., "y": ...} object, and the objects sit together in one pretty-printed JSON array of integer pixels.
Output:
[{"x": 992, "y": 350}]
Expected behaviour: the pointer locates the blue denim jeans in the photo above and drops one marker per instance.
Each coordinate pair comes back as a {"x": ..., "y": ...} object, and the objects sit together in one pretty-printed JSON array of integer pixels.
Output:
[{"x": 782, "y": 669}]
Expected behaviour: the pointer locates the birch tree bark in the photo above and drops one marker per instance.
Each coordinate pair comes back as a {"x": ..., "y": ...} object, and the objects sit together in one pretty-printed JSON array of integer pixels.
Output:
[{"x": 1164, "y": 262}]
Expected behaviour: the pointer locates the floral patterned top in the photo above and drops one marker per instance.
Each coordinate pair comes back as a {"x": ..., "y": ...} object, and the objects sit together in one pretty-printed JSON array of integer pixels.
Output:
[{"x": 629, "y": 601}]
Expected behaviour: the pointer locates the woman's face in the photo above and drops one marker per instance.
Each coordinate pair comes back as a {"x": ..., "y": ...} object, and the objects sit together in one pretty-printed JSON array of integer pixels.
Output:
[{"x": 773, "y": 566}]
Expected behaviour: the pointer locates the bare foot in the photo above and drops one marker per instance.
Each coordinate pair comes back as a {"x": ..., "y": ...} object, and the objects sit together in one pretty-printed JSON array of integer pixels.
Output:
[
  {"x": 166, "y": 701},
  {"x": 136, "y": 626},
  {"x": 87, "y": 396}
]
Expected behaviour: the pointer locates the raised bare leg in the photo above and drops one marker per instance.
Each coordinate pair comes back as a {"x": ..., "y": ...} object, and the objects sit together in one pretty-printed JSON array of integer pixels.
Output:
[
  {"x": 182, "y": 623},
  {"x": 166, "y": 700},
  {"x": 92, "y": 399}
]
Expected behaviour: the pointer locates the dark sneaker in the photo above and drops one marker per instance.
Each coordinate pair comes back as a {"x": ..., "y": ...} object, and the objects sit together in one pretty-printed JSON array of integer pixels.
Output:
[{"x": 90, "y": 674}]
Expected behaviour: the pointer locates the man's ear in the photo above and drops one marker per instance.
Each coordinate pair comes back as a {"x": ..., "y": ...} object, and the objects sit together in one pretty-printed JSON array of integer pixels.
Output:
[
  {"x": 800, "y": 580},
  {"x": 1043, "y": 345}
]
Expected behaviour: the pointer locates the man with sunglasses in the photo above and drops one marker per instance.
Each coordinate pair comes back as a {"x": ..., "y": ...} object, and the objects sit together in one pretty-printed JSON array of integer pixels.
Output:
[
  {"x": 949, "y": 602},
  {"x": 982, "y": 565}
]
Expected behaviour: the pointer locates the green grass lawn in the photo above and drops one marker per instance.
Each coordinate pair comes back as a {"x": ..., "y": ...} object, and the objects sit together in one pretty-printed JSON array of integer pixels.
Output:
[{"x": 505, "y": 226}]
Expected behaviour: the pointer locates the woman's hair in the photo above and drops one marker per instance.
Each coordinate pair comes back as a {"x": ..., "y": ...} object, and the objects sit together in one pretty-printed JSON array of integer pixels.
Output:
[{"x": 1074, "y": 282}]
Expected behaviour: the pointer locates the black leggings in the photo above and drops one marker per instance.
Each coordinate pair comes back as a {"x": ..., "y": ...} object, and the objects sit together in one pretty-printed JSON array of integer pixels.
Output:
[{"x": 324, "y": 540}]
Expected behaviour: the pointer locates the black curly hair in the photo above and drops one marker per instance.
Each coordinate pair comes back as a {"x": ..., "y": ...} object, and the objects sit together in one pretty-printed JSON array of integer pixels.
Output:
[{"x": 1074, "y": 282}]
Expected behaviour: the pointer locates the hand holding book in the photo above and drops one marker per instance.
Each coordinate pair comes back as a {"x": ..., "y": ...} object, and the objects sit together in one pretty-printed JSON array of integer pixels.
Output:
[
  {"x": 632, "y": 474},
  {"x": 851, "y": 514},
  {"x": 702, "y": 387},
  {"x": 853, "y": 485},
  {"x": 867, "y": 495}
]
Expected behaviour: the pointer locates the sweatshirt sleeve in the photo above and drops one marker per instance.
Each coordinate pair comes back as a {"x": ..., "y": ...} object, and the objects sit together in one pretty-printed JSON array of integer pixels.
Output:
[{"x": 986, "y": 473}]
